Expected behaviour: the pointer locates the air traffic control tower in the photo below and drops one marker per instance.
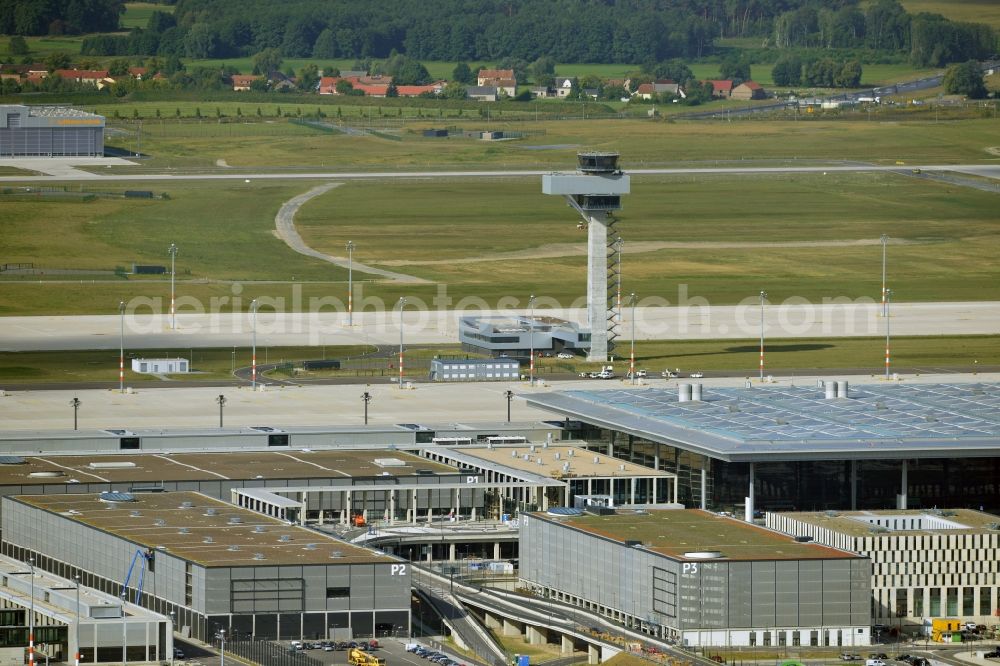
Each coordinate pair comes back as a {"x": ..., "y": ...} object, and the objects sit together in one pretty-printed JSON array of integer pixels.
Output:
[{"x": 595, "y": 192}]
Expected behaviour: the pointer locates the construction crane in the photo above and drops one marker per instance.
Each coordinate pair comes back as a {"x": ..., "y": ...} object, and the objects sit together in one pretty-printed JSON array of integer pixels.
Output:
[{"x": 145, "y": 559}]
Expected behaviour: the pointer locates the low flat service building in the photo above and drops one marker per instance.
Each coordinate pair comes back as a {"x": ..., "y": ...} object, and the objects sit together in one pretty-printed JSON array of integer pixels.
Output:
[
  {"x": 475, "y": 370},
  {"x": 925, "y": 564},
  {"x": 698, "y": 578},
  {"x": 215, "y": 566}
]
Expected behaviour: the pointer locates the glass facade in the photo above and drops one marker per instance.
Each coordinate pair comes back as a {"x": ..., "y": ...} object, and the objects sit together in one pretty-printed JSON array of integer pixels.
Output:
[{"x": 809, "y": 485}]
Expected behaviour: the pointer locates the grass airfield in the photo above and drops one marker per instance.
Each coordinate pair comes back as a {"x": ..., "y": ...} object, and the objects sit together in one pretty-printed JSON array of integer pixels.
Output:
[{"x": 718, "y": 237}]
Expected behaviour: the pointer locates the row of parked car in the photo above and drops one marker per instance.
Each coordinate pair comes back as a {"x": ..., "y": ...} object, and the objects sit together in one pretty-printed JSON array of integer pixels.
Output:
[
  {"x": 431, "y": 655},
  {"x": 330, "y": 646}
]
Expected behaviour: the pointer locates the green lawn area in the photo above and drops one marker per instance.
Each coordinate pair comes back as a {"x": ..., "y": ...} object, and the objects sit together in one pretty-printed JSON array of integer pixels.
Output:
[
  {"x": 682, "y": 233},
  {"x": 137, "y": 14},
  {"x": 40, "y": 47},
  {"x": 806, "y": 354},
  {"x": 102, "y": 365},
  {"x": 223, "y": 231},
  {"x": 642, "y": 142},
  {"x": 738, "y": 357},
  {"x": 941, "y": 235}
]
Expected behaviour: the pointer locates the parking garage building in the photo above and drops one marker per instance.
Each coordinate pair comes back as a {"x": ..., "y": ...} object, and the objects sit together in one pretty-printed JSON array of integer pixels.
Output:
[
  {"x": 698, "y": 578},
  {"x": 214, "y": 566}
]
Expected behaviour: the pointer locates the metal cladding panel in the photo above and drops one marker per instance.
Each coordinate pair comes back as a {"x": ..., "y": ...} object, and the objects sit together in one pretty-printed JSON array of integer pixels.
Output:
[
  {"x": 362, "y": 587},
  {"x": 714, "y": 593},
  {"x": 740, "y": 594},
  {"x": 762, "y": 584},
  {"x": 565, "y": 184},
  {"x": 861, "y": 592},
  {"x": 217, "y": 591},
  {"x": 811, "y": 593},
  {"x": 786, "y": 592}
]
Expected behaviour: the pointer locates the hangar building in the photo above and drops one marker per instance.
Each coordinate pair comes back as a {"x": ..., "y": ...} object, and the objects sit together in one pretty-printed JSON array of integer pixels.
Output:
[
  {"x": 875, "y": 446},
  {"x": 698, "y": 578},
  {"x": 49, "y": 131},
  {"x": 214, "y": 565},
  {"x": 925, "y": 564}
]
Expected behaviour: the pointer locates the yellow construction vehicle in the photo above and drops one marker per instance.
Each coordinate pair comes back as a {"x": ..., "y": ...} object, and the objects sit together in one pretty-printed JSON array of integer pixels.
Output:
[{"x": 358, "y": 657}]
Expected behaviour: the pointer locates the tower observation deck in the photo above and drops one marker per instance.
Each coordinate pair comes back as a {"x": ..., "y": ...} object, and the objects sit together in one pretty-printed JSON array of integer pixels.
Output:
[{"x": 595, "y": 192}]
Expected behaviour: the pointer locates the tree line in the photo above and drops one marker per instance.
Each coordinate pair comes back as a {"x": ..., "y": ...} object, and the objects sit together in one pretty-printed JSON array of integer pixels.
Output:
[
  {"x": 58, "y": 17},
  {"x": 508, "y": 31},
  {"x": 930, "y": 40}
]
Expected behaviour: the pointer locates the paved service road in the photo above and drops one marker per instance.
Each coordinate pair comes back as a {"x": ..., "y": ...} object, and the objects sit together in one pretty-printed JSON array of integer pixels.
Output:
[
  {"x": 693, "y": 322},
  {"x": 284, "y": 223}
]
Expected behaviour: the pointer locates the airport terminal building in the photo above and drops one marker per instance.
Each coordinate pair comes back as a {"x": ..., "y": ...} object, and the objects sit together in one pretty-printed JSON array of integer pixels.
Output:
[
  {"x": 49, "y": 131},
  {"x": 785, "y": 448},
  {"x": 698, "y": 578}
]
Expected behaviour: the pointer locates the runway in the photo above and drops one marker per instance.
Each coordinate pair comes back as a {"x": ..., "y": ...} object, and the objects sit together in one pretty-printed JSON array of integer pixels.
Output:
[
  {"x": 62, "y": 169},
  {"x": 859, "y": 318}
]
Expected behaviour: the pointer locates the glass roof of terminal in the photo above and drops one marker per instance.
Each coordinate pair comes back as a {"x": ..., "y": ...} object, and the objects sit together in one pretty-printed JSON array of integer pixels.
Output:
[{"x": 802, "y": 413}]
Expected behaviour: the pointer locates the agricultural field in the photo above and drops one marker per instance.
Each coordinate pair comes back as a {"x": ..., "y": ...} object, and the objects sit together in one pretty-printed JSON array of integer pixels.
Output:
[
  {"x": 972, "y": 11},
  {"x": 137, "y": 14}
]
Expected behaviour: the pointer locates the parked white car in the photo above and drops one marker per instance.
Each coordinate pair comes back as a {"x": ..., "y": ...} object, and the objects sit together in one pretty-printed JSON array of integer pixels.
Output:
[
  {"x": 697, "y": 375},
  {"x": 564, "y": 355}
]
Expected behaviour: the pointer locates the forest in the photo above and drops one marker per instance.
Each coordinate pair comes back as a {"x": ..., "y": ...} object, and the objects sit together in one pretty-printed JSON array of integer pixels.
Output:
[
  {"x": 58, "y": 17},
  {"x": 586, "y": 31}
]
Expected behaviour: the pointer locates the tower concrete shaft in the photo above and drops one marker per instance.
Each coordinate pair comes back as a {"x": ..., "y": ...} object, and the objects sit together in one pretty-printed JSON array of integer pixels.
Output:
[
  {"x": 595, "y": 191},
  {"x": 597, "y": 286}
]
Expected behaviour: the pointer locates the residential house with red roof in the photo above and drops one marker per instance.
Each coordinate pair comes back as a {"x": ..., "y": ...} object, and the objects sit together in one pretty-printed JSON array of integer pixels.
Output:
[
  {"x": 98, "y": 78},
  {"x": 645, "y": 91},
  {"x": 501, "y": 79},
  {"x": 721, "y": 89},
  {"x": 328, "y": 86},
  {"x": 242, "y": 82}
]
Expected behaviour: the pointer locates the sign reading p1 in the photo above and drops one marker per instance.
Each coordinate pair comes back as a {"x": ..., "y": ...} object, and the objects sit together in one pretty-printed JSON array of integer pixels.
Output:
[{"x": 397, "y": 570}]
